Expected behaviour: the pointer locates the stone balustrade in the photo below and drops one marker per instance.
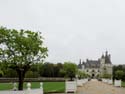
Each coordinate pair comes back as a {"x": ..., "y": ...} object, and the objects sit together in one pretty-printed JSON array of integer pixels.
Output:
[
  {"x": 71, "y": 86},
  {"x": 29, "y": 90}
]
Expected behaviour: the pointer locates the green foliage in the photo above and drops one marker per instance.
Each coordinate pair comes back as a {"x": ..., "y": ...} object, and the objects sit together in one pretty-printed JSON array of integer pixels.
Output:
[
  {"x": 70, "y": 69},
  {"x": 51, "y": 70},
  {"x": 34, "y": 71},
  {"x": 48, "y": 70},
  {"x": 40, "y": 69},
  {"x": 31, "y": 74},
  {"x": 37, "y": 70},
  {"x": 119, "y": 74},
  {"x": 57, "y": 68},
  {"x": 20, "y": 49},
  {"x": 62, "y": 73},
  {"x": 81, "y": 74},
  {"x": 108, "y": 76},
  {"x": 10, "y": 73},
  {"x": 115, "y": 73},
  {"x": 1, "y": 73}
]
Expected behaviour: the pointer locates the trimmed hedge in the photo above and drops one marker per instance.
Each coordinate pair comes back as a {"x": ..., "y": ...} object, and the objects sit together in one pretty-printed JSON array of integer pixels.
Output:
[{"x": 4, "y": 80}]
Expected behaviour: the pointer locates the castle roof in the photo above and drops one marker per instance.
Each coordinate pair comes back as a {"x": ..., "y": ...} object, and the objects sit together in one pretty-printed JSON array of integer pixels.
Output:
[
  {"x": 95, "y": 63},
  {"x": 107, "y": 58},
  {"x": 92, "y": 64}
]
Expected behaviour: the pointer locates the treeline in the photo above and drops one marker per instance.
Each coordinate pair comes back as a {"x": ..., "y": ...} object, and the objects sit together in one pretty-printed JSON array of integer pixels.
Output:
[
  {"x": 37, "y": 70},
  {"x": 55, "y": 70},
  {"x": 119, "y": 72}
]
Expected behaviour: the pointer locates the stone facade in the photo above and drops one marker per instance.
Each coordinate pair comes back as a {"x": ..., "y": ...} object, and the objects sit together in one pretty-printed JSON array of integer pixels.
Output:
[{"x": 97, "y": 68}]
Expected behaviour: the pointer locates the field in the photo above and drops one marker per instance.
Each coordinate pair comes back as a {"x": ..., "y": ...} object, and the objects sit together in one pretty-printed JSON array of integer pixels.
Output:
[{"x": 47, "y": 86}]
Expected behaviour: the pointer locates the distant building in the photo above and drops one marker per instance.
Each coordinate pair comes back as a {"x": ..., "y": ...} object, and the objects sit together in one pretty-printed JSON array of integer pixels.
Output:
[{"x": 97, "y": 68}]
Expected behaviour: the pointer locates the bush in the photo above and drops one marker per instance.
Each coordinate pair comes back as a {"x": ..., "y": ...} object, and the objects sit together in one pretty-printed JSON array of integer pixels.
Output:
[
  {"x": 119, "y": 74},
  {"x": 10, "y": 73},
  {"x": 81, "y": 74},
  {"x": 105, "y": 75},
  {"x": 1, "y": 73},
  {"x": 70, "y": 70}
]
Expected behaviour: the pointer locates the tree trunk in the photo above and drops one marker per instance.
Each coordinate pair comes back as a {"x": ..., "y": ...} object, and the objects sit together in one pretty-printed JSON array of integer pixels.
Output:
[
  {"x": 21, "y": 79},
  {"x": 71, "y": 78},
  {"x": 21, "y": 74}
]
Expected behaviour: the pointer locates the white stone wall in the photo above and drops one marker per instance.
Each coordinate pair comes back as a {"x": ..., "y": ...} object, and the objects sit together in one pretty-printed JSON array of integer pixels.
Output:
[
  {"x": 108, "y": 68},
  {"x": 102, "y": 61}
]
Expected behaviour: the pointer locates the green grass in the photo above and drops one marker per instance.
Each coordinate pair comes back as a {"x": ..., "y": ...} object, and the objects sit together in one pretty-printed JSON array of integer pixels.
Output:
[
  {"x": 47, "y": 86},
  {"x": 6, "y": 86},
  {"x": 54, "y": 86},
  {"x": 123, "y": 84}
]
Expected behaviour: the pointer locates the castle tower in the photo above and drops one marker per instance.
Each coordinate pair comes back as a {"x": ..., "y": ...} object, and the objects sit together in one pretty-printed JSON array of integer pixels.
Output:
[
  {"x": 107, "y": 58},
  {"x": 106, "y": 65},
  {"x": 80, "y": 62},
  {"x": 102, "y": 60}
]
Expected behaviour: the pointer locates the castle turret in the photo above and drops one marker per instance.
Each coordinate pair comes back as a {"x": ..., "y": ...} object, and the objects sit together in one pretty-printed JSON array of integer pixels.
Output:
[
  {"x": 80, "y": 62},
  {"x": 106, "y": 66},
  {"x": 107, "y": 58},
  {"x": 102, "y": 60}
]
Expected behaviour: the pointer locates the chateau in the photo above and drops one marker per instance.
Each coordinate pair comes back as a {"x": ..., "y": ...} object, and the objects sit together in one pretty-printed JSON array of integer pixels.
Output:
[{"x": 97, "y": 68}]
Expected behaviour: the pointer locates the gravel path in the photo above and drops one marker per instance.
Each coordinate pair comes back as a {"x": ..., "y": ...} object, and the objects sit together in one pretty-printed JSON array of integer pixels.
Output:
[{"x": 96, "y": 87}]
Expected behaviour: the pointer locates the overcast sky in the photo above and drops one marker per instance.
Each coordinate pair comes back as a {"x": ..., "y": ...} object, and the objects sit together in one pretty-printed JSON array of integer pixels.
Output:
[{"x": 73, "y": 29}]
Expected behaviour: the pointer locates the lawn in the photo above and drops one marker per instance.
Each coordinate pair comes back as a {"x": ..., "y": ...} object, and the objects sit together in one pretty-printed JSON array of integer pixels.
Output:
[
  {"x": 123, "y": 84},
  {"x": 47, "y": 86}
]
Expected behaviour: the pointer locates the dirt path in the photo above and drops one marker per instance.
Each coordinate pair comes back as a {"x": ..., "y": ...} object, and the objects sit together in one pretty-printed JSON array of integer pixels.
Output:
[{"x": 97, "y": 87}]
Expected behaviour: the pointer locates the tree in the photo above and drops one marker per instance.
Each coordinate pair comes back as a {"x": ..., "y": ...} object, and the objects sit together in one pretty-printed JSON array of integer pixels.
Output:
[
  {"x": 59, "y": 66},
  {"x": 20, "y": 49},
  {"x": 81, "y": 74},
  {"x": 70, "y": 69},
  {"x": 11, "y": 73},
  {"x": 40, "y": 69},
  {"x": 118, "y": 68},
  {"x": 32, "y": 74},
  {"x": 48, "y": 70},
  {"x": 1, "y": 73},
  {"x": 119, "y": 74},
  {"x": 62, "y": 73}
]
